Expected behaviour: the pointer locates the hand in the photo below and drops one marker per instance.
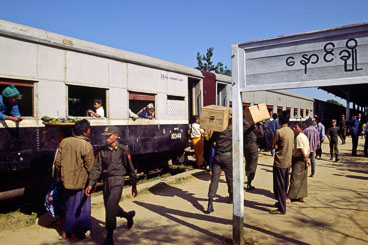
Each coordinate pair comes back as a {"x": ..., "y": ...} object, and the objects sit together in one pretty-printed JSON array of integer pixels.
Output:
[
  {"x": 15, "y": 119},
  {"x": 134, "y": 191},
  {"x": 87, "y": 191},
  {"x": 307, "y": 163}
]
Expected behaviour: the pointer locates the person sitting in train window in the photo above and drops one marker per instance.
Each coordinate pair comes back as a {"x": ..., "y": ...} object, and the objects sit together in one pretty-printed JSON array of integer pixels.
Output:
[
  {"x": 147, "y": 112},
  {"x": 99, "y": 110},
  {"x": 9, "y": 109}
]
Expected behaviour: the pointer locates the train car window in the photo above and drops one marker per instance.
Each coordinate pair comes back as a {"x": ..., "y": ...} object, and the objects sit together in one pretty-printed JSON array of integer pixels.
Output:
[
  {"x": 279, "y": 109},
  {"x": 141, "y": 105},
  {"x": 270, "y": 109},
  {"x": 25, "y": 99},
  {"x": 81, "y": 100},
  {"x": 171, "y": 97}
]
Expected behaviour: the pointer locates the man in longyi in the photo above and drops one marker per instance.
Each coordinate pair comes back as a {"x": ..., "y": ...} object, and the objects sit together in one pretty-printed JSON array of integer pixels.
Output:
[{"x": 299, "y": 175}]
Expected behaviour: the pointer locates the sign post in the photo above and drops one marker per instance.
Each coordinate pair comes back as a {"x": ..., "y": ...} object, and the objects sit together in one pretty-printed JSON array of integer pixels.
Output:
[
  {"x": 238, "y": 166},
  {"x": 337, "y": 56}
]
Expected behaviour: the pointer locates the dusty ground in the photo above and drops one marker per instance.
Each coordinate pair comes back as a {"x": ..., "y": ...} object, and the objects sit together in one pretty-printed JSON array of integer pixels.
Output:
[{"x": 336, "y": 211}]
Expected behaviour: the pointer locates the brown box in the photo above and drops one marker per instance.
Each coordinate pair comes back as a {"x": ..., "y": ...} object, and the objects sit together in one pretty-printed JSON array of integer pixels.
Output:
[
  {"x": 257, "y": 113},
  {"x": 215, "y": 118}
]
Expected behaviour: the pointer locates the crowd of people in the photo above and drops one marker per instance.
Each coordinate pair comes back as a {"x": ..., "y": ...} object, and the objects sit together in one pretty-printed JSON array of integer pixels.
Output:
[{"x": 294, "y": 149}]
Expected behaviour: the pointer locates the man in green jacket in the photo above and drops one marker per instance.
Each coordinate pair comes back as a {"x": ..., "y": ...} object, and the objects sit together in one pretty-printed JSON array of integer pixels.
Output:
[
  {"x": 112, "y": 163},
  {"x": 74, "y": 161}
]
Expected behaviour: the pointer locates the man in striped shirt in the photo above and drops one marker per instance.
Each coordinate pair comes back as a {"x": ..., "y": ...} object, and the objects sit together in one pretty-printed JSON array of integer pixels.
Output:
[{"x": 314, "y": 142}]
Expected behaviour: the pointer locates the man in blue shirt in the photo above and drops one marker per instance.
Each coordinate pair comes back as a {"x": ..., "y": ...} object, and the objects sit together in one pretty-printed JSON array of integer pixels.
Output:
[
  {"x": 321, "y": 129},
  {"x": 8, "y": 104},
  {"x": 147, "y": 112},
  {"x": 365, "y": 132},
  {"x": 353, "y": 126},
  {"x": 272, "y": 127}
]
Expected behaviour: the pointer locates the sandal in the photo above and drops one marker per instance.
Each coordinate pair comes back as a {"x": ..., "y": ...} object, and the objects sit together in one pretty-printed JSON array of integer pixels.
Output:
[
  {"x": 301, "y": 200},
  {"x": 276, "y": 211}
]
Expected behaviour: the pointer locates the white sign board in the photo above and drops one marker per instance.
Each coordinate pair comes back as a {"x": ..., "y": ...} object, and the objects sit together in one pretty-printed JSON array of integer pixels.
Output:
[
  {"x": 336, "y": 56},
  {"x": 329, "y": 57}
]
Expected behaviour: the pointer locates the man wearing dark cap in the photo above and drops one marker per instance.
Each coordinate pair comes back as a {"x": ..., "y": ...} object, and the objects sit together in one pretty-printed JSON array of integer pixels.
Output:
[
  {"x": 8, "y": 104},
  {"x": 111, "y": 164}
]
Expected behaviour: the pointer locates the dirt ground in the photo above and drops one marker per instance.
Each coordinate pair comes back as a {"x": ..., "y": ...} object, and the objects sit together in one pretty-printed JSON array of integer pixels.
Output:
[{"x": 335, "y": 212}]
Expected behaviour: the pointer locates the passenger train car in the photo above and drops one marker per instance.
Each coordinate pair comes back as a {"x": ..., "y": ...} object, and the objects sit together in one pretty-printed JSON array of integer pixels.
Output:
[{"x": 60, "y": 76}]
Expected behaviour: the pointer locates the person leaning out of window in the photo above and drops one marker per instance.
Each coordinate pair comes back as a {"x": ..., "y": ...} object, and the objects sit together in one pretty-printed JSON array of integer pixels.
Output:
[{"x": 9, "y": 109}]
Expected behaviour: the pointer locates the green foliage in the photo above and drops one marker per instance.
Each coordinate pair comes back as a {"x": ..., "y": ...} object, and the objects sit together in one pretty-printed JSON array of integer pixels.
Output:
[
  {"x": 205, "y": 63},
  {"x": 16, "y": 220},
  {"x": 334, "y": 102}
]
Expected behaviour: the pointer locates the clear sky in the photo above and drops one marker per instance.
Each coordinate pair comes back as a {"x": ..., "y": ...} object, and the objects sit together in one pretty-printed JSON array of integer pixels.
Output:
[{"x": 176, "y": 30}]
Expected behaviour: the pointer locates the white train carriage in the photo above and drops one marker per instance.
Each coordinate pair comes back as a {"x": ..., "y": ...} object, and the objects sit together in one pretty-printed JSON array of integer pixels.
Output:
[{"x": 59, "y": 77}]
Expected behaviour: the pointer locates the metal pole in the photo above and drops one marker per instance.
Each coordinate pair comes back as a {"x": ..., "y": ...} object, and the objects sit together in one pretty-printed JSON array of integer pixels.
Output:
[{"x": 238, "y": 166}]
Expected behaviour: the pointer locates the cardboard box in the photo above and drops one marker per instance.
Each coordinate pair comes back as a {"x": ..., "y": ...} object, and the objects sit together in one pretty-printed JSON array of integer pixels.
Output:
[
  {"x": 215, "y": 118},
  {"x": 257, "y": 113}
]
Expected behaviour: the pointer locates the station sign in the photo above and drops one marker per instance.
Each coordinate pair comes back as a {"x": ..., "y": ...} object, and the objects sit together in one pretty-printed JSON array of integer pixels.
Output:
[{"x": 336, "y": 56}]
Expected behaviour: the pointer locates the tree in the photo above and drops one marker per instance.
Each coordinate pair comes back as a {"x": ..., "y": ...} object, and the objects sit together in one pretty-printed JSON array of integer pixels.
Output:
[
  {"x": 334, "y": 102},
  {"x": 205, "y": 63}
]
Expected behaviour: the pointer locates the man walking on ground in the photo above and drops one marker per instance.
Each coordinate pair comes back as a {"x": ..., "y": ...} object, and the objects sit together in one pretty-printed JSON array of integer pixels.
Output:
[
  {"x": 283, "y": 143},
  {"x": 342, "y": 129},
  {"x": 74, "y": 161},
  {"x": 353, "y": 125},
  {"x": 321, "y": 129},
  {"x": 333, "y": 137},
  {"x": 365, "y": 132},
  {"x": 112, "y": 163},
  {"x": 251, "y": 133},
  {"x": 314, "y": 143},
  {"x": 298, "y": 182},
  {"x": 223, "y": 161}
]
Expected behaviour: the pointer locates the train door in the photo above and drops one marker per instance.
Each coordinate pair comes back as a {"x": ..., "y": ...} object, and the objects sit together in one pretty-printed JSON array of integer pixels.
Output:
[
  {"x": 194, "y": 97},
  {"x": 221, "y": 94}
]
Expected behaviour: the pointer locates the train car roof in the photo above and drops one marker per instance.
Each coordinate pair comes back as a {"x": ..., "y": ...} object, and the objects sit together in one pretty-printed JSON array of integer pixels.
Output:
[
  {"x": 284, "y": 92},
  {"x": 39, "y": 36},
  {"x": 223, "y": 78}
]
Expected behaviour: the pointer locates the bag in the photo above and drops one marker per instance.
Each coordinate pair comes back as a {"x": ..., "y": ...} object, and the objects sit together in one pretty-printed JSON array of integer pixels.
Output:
[
  {"x": 55, "y": 199},
  {"x": 49, "y": 200}
]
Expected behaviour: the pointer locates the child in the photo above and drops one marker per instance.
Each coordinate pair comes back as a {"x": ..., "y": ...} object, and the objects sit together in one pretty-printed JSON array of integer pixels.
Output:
[
  {"x": 99, "y": 110},
  {"x": 333, "y": 136}
]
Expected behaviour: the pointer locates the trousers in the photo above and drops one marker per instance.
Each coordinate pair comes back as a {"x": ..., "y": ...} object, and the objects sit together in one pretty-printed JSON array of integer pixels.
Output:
[
  {"x": 355, "y": 138},
  {"x": 251, "y": 159},
  {"x": 280, "y": 186},
  {"x": 225, "y": 163},
  {"x": 112, "y": 190}
]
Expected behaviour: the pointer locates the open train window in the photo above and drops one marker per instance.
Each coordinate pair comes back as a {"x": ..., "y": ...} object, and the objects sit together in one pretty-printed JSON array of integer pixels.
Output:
[
  {"x": 141, "y": 105},
  {"x": 25, "y": 99},
  {"x": 80, "y": 100}
]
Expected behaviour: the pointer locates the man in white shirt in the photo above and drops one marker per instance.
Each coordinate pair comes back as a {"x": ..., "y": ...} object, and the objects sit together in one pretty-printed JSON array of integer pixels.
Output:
[{"x": 298, "y": 182}]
